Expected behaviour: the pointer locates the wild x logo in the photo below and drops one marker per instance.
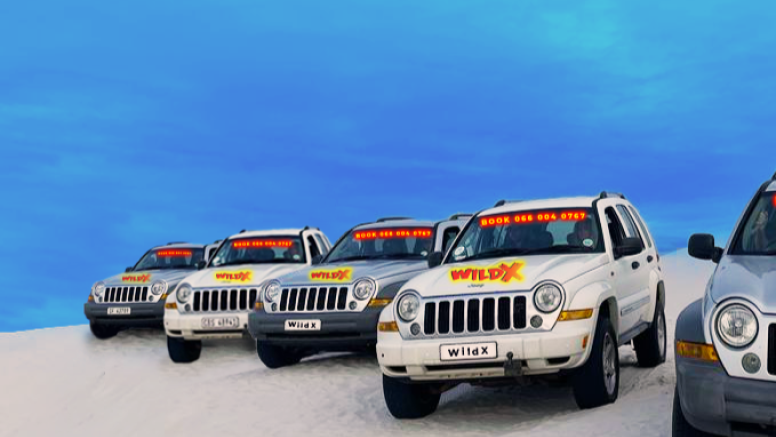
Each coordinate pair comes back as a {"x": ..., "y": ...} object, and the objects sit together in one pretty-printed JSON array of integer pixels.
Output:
[
  {"x": 502, "y": 272},
  {"x": 234, "y": 276},
  {"x": 136, "y": 278},
  {"x": 334, "y": 275}
]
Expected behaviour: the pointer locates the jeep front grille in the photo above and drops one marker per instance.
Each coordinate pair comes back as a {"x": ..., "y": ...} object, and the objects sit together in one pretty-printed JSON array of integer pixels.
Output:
[
  {"x": 772, "y": 349},
  {"x": 473, "y": 315},
  {"x": 224, "y": 300},
  {"x": 125, "y": 294},
  {"x": 307, "y": 299}
]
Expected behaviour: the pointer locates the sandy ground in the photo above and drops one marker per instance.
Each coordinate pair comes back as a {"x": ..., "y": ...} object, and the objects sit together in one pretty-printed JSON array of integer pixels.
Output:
[{"x": 63, "y": 382}]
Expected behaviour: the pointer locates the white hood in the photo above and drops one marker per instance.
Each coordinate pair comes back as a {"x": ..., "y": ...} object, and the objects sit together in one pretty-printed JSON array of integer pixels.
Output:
[{"x": 246, "y": 275}]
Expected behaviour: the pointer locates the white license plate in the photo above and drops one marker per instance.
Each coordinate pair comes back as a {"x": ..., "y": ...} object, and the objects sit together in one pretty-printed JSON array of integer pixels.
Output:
[
  {"x": 303, "y": 325},
  {"x": 468, "y": 351},
  {"x": 221, "y": 322},
  {"x": 119, "y": 311}
]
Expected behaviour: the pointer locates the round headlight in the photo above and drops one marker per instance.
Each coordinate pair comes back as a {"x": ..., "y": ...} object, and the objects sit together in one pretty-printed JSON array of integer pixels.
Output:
[
  {"x": 183, "y": 293},
  {"x": 98, "y": 289},
  {"x": 364, "y": 289},
  {"x": 547, "y": 298},
  {"x": 408, "y": 307},
  {"x": 159, "y": 287},
  {"x": 737, "y": 326},
  {"x": 271, "y": 291}
]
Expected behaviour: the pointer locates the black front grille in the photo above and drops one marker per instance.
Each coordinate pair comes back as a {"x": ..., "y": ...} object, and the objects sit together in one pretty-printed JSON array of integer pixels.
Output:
[
  {"x": 313, "y": 299},
  {"x": 224, "y": 300},
  {"x": 474, "y": 315},
  {"x": 125, "y": 294},
  {"x": 772, "y": 349}
]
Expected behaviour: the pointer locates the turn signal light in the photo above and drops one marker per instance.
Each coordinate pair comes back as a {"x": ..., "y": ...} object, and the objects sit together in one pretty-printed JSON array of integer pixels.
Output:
[
  {"x": 259, "y": 305},
  {"x": 388, "y": 327},
  {"x": 381, "y": 302},
  {"x": 91, "y": 298},
  {"x": 697, "y": 351},
  {"x": 171, "y": 306},
  {"x": 575, "y": 315},
  {"x": 164, "y": 296}
]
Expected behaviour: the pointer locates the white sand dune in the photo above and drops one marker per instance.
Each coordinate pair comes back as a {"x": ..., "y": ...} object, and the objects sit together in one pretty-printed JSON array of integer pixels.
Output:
[{"x": 63, "y": 382}]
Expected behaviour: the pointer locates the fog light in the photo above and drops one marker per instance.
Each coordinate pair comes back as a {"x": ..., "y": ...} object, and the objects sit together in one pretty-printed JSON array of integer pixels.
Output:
[
  {"x": 751, "y": 363},
  {"x": 274, "y": 307},
  {"x": 150, "y": 298},
  {"x": 415, "y": 329},
  {"x": 536, "y": 321},
  {"x": 352, "y": 305},
  {"x": 187, "y": 307}
]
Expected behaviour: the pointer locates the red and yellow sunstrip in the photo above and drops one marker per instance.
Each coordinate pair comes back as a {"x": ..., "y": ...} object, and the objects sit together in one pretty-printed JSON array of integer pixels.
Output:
[
  {"x": 262, "y": 242},
  {"x": 241, "y": 276},
  {"x": 136, "y": 279},
  {"x": 344, "y": 274},
  {"x": 540, "y": 217},
  {"x": 502, "y": 272},
  {"x": 386, "y": 233},
  {"x": 172, "y": 253}
]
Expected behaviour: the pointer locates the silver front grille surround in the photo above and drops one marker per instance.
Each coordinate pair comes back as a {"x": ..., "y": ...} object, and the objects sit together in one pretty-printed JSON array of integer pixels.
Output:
[
  {"x": 223, "y": 299},
  {"x": 127, "y": 294},
  {"x": 317, "y": 299}
]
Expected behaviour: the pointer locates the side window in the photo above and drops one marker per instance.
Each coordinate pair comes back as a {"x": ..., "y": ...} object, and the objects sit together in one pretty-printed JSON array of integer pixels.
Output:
[
  {"x": 629, "y": 224},
  {"x": 321, "y": 244},
  {"x": 615, "y": 229},
  {"x": 644, "y": 231},
  {"x": 314, "y": 251},
  {"x": 449, "y": 236}
]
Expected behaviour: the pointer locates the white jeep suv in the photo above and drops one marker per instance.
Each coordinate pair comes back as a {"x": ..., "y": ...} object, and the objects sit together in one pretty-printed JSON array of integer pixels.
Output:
[{"x": 528, "y": 288}]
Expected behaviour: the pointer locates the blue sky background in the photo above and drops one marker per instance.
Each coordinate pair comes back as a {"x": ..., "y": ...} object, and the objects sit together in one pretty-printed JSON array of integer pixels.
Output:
[{"x": 124, "y": 125}]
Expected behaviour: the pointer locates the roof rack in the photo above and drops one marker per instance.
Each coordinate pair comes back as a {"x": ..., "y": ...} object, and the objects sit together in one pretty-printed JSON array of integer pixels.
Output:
[
  {"x": 608, "y": 194},
  {"x": 503, "y": 202},
  {"x": 390, "y": 219},
  {"x": 217, "y": 241},
  {"x": 460, "y": 215},
  {"x": 310, "y": 227},
  {"x": 177, "y": 242},
  {"x": 241, "y": 231}
]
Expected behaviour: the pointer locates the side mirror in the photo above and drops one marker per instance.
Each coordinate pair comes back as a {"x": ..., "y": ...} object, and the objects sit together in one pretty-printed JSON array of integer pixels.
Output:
[
  {"x": 201, "y": 265},
  {"x": 129, "y": 269},
  {"x": 702, "y": 246},
  {"x": 316, "y": 260},
  {"x": 434, "y": 259},
  {"x": 628, "y": 247}
]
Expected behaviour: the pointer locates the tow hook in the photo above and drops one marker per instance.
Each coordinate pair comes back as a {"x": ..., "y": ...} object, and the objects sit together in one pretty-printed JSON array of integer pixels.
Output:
[{"x": 512, "y": 368}]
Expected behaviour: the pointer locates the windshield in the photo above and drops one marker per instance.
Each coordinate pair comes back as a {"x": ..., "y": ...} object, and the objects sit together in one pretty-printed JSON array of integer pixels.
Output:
[
  {"x": 264, "y": 250},
  {"x": 554, "y": 231},
  {"x": 159, "y": 259},
  {"x": 758, "y": 234},
  {"x": 383, "y": 243}
]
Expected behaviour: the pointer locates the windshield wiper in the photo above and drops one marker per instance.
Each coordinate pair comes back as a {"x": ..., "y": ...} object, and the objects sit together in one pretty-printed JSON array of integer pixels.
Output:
[
  {"x": 237, "y": 263},
  {"x": 559, "y": 249},
  {"x": 495, "y": 253},
  {"x": 398, "y": 256},
  {"x": 349, "y": 258}
]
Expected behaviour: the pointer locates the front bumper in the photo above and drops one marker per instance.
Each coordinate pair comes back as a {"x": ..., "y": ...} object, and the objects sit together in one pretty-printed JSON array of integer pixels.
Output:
[
  {"x": 717, "y": 403},
  {"x": 539, "y": 353},
  {"x": 141, "y": 314},
  {"x": 189, "y": 325},
  {"x": 339, "y": 331}
]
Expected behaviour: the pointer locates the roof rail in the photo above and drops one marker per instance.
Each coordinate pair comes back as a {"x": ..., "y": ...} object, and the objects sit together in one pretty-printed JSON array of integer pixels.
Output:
[
  {"x": 217, "y": 241},
  {"x": 460, "y": 215},
  {"x": 503, "y": 202},
  {"x": 177, "y": 242},
  {"x": 310, "y": 227},
  {"x": 773, "y": 178},
  {"x": 608, "y": 194},
  {"x": 390, "y": 219},
  {"x": 241, "y": 231}
]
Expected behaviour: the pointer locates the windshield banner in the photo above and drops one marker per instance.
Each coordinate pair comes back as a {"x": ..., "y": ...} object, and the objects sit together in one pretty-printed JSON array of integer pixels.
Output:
[
  {"x": 496, "y": 273},
  {"x": 240, "y": 244},
  {"x": 334, "y": 275},
  {"x": 172, "y": 253}
]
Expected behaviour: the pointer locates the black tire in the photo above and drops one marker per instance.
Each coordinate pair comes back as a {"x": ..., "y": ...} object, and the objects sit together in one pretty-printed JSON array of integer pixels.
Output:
[
  {"x": 275, "y": 357},
  {"x": 593, "y": 387},
  {"x": 410, "y": 401},
  {"x": 103, "y": 331},
  {"x": 183, "y": 351},
  {"x": 650, "y": 345},
  {"x": 680, "y": 427}
]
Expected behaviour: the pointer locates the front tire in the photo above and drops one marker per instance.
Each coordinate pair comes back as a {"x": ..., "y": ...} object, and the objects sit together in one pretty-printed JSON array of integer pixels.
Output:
[
  {"x": 650, "y": 345},
  {"x": 680, "y": 427},
  {"x": 275, "y": 357},
  {"x": 597, "y": 382},
  {"x": 410, "y": 401},
  {"x": 183, "y": 351},
  {"x": 103, "y": 331}
]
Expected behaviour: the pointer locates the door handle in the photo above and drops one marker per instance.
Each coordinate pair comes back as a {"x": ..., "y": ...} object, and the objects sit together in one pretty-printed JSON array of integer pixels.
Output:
[
  {"x": 635, "y": 265},
  {"x": 649, "y": 259}
]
